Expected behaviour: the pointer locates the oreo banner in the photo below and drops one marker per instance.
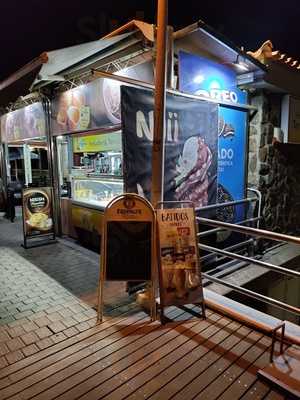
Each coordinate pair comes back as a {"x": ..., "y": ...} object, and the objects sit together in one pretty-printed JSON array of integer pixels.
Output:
[
  {"x": 204, "y": 77},
  {"x": 191, "y": 144}
]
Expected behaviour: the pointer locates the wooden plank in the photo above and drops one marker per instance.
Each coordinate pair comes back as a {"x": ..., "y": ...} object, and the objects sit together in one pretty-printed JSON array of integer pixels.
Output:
[
  {"x": 21, "y": 365},
  {"x": 284, "y": 371},
  {"x": 257, "y": 391},
  {"x": 122, "y": 378},
  {"x": 230, "y": 377},
  {"x": 79, "y": 361},
  {"x": 28, "y": 376},
  {"x": 273, "y": 395},
  {"x": 165, "y": 384},
  {"x": 155, "y": 380},
  {"x": 122, "y": 360},
  {"x": 244, "y": 382},
  {"x": 202, "y": 372},
  {"x": 154, "y": 377}
]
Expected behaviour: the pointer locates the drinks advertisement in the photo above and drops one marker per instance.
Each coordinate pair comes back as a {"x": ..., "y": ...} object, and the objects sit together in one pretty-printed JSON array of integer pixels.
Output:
[
  {"x": 95, "y": 104},
  {"x": 37, "y": 211},
  {"x": 26, "y": 123},
  {"x": 201, "y": 76},
  {"x": 180, "y": 279},
  {"x": 191, "y": 140}
]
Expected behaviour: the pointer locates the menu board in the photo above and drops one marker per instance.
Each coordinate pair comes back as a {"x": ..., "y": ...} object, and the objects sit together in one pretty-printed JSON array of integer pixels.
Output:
[
  {"x": 129, "y": 251},
  {"x": 180, "y": 275},
  {"x": 37, "y": 212},
  {"x": 128, "y": 239}
]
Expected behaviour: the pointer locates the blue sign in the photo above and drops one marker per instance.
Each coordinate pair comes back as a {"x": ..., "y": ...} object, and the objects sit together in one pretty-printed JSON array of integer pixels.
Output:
[{"x": 198, "y": 75}]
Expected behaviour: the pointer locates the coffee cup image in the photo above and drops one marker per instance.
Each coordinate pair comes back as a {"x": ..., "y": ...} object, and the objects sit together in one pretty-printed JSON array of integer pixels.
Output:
[
  {"x": 40, "y": 221},
  {"x": 37, "y": 210}
]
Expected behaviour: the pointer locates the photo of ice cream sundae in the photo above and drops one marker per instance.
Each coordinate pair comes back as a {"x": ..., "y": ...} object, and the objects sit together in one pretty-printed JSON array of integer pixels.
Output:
[
  {"x": 70, "y": 107},
  {"x": 112, "y": 99},
  {"x": 192, "y": 168},
  {"x": 34, "y": 120}
]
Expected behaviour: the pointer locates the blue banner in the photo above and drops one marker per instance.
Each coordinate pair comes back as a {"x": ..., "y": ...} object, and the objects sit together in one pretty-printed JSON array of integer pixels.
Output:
[{"x": 198, "y": 75}]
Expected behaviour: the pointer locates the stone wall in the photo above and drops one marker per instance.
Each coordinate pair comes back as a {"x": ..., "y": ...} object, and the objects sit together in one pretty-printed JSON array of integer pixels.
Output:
[
  {"x": 274, "y": 169},
  {"x": 261, "y": 132},
  {"x": 281, "y": 207}
]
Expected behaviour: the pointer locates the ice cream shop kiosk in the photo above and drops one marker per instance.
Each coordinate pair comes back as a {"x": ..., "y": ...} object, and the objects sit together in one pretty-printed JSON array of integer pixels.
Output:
[{"x": 101, "y": 122}]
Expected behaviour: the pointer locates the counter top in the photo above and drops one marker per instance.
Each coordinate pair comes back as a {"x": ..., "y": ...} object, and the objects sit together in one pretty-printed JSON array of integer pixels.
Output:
[{"x": 94, "y": 205}]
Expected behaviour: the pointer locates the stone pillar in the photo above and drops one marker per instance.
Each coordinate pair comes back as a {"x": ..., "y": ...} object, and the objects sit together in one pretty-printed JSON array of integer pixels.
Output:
[{"x": 261, "y": 151}]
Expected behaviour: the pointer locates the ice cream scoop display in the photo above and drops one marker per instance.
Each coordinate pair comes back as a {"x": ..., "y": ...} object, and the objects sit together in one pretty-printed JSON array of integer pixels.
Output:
[{"x": 193, "y": 165}]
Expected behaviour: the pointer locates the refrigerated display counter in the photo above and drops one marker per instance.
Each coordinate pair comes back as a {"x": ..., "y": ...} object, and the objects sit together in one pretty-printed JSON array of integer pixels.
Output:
[{"x": 90, "y": 195}]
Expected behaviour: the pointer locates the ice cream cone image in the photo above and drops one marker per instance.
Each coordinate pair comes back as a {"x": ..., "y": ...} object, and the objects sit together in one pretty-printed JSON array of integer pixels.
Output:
[{"x": 73, "y": 116}]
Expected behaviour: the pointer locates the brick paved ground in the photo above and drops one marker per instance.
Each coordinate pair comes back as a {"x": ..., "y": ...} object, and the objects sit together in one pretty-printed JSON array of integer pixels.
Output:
[{"x": 47, "y": 293}]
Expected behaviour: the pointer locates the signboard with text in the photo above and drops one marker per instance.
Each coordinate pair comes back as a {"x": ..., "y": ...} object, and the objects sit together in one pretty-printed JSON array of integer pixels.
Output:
[
  {"x": 180, "y": 276},
  {"x": 201, "y": 76},
  {"x": 128, "y": 239},
  {"x": 127, "y": 245},
  {"x": 191, "y": 140},
  {"x": 37, "y": 212}
]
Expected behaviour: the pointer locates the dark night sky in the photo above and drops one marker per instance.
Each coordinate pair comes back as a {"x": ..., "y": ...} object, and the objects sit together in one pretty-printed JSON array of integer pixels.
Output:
[{"x": 33, "y": 26}]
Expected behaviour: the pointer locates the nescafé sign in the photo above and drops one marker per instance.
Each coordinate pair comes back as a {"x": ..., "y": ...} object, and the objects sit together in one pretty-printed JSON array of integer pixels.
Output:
[{"x": 37, "y": 212}]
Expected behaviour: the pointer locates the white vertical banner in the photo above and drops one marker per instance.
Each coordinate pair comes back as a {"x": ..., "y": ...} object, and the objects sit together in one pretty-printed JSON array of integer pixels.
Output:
[{"x": 27, "y": 164}]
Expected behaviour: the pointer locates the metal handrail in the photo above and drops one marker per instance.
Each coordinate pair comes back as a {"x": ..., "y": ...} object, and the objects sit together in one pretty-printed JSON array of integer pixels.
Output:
[
  {"x": 257, "y": 296},
  {"x": 227, "y": 204},
  {"x": 237, "y": 227},
  {"x": 280, "y": 237},
  {"x": 240, "y": 257},
  {"x": 259, "y": 198},
  {"x": 233, "y": 247},
  {"x": 215, "y": 230}
]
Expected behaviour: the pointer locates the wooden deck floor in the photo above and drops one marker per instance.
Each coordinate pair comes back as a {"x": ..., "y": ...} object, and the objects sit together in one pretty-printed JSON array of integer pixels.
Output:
[{"x": 129, "y": 357}]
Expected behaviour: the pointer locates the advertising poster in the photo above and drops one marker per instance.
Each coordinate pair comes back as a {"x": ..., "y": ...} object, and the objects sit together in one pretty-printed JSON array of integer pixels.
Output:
[
  {"x": 37, "y": 212},
  {"x": 26, "y": 123},
  {"x": 200, "y": 76},
  {"x": 191, "y": 140},
  {"x": 91, "y": 143},
  {"x": 179, "y": 263},
  {"x": 95, "y": 104}
]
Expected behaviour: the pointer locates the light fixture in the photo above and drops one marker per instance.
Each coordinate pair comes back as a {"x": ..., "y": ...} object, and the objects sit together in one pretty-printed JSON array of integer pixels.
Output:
[
  {"x": 198, "y": 79},
  {"x": 241, "y": 65}
]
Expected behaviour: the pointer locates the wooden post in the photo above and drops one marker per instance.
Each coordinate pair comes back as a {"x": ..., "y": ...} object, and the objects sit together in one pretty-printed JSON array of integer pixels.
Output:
[{"x": 159, "y": 103}]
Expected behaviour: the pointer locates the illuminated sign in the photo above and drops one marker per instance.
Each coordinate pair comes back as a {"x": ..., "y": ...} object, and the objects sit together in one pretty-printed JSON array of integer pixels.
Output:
[{"x": 204, "y": 77}]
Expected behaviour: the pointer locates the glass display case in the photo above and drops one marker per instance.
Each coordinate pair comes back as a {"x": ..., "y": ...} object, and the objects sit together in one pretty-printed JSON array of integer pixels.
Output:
[{"x": 92, "y": 191}]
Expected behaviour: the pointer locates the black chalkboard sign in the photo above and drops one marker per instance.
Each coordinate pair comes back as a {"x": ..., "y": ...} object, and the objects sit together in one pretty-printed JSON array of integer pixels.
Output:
[
  {"x": 128, "y": 252},
  {"x": 127, "y": 249}
]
